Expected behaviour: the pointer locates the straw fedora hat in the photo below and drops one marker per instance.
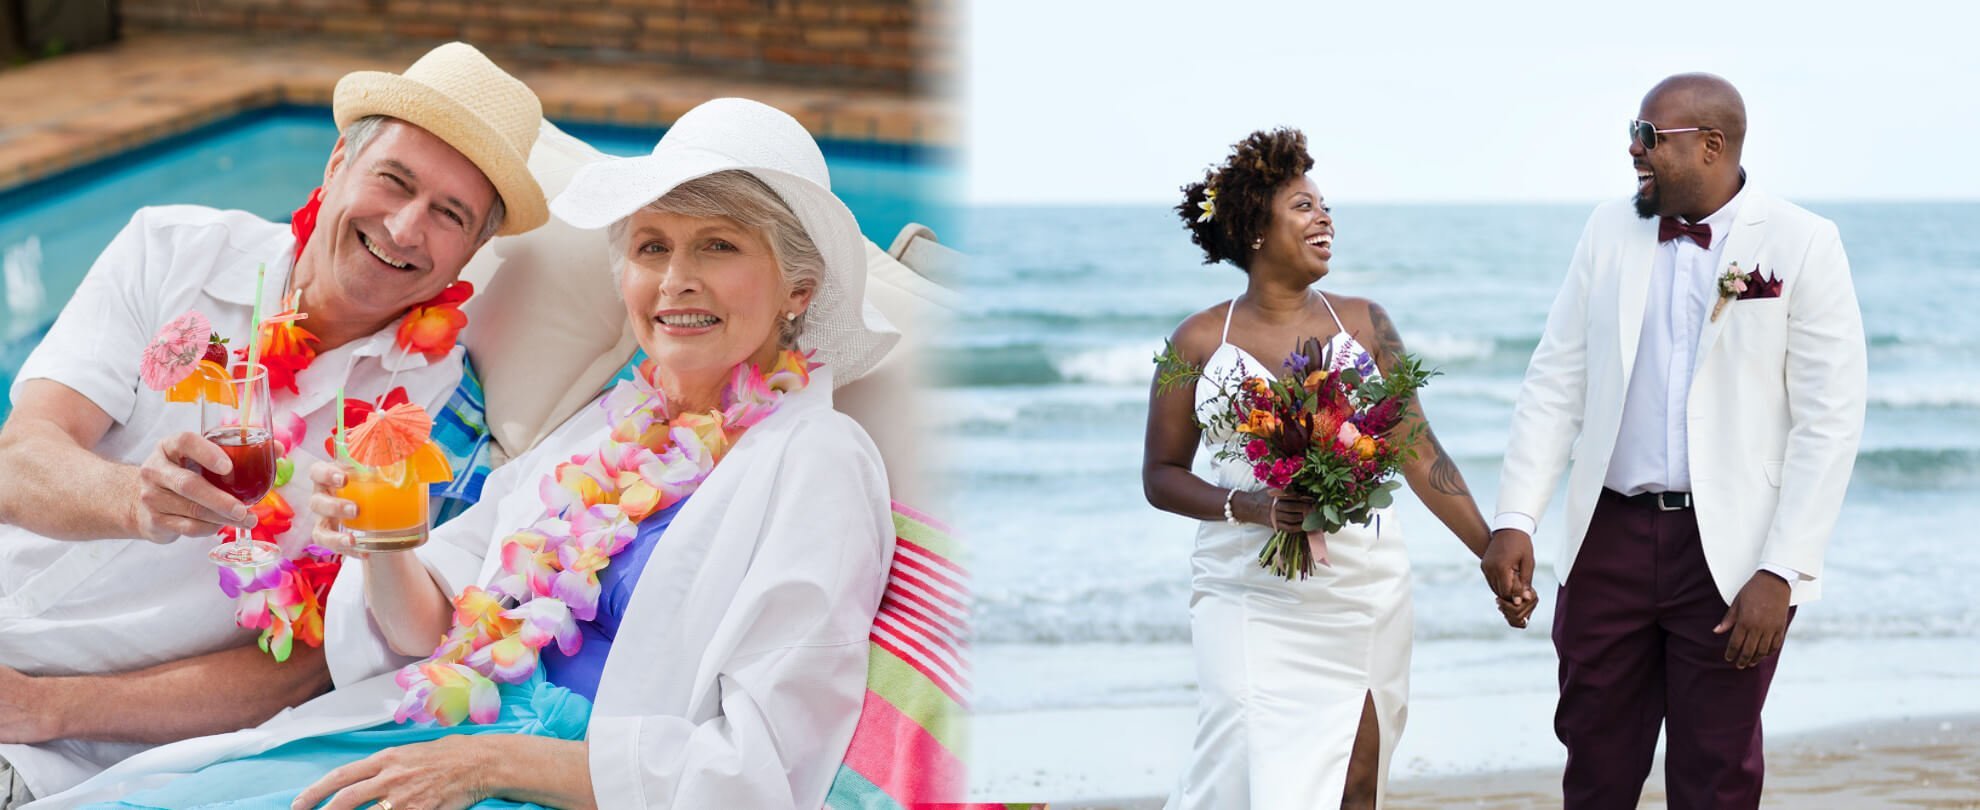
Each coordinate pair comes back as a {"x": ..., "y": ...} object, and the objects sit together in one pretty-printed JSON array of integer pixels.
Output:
[
  {"x": 848, "y": 334},
  {"x": 462, "y": 98}
]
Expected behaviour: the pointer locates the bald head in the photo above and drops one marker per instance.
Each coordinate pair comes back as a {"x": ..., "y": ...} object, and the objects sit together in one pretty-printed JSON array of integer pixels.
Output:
[
  {"x": 1700, "y": 100},
  {"x": 1690, "y": 168}
]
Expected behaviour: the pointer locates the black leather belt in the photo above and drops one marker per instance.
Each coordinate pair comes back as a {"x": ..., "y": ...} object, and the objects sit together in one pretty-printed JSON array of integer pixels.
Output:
[{"x": 1661, "y": 501}]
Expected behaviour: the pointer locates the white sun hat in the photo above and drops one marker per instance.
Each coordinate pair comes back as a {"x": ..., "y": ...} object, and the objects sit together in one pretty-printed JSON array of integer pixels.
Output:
[{"x": 735, "y": 134}]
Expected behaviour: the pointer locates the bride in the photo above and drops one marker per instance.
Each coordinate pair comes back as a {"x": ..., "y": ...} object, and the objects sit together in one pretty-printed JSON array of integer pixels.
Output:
[{"x": 1303, "y": 684}]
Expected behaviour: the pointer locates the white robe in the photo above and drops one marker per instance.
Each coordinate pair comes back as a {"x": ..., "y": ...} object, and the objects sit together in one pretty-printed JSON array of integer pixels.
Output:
[{"x": 746, "y": 674}]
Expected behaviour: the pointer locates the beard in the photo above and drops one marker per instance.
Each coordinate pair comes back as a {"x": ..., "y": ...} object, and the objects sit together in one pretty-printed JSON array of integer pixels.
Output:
[{"x": 1646, "y": 207}]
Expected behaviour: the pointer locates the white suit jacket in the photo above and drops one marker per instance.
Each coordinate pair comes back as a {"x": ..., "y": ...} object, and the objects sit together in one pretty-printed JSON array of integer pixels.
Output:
[
  {"x": 745, "y": 675},
  {"x": 1776, "y": 402}
]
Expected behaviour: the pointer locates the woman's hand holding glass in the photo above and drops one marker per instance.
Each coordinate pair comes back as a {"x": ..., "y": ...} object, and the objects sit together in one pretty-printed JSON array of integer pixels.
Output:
[
  {"x": 408, "y": 604},
  {"x": 331, "y": 510}
]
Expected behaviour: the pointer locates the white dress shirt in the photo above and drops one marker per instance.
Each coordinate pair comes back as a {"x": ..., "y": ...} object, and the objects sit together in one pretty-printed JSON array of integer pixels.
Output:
[
  {"x": 1652, "y": 452},
  {"x": 96, "y": 606}
]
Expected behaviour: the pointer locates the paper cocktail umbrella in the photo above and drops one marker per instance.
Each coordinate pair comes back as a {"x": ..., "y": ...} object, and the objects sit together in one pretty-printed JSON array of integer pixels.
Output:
[
  {"x": 175, "y": 351},
  {"x": 390, "y": 435}
]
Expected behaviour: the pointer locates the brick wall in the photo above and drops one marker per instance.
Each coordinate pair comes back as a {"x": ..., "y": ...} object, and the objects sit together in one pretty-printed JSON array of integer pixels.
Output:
[{"x": 896, "y": 44}]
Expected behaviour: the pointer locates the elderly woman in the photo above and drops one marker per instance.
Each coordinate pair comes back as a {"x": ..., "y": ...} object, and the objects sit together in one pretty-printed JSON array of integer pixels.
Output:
[{"x": 665, "y": 603}]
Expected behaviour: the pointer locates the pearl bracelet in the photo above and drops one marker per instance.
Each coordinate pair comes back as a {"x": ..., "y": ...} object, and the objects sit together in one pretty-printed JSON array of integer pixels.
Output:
[{"x": 1229, "y": 516}]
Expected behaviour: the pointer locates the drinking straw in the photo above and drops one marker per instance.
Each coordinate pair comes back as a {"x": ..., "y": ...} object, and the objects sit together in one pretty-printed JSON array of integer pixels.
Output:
[
  {"x": 254, "y": 347},
  {"x": 343, "y": 450},
  {"x": 247, "y": 394}
]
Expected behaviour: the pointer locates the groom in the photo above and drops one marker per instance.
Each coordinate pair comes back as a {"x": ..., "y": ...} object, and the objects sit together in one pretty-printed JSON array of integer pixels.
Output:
[{"x": 1701, "y": 382}]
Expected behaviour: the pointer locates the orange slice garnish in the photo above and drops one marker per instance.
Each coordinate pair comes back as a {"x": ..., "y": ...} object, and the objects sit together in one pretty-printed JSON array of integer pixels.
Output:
[
  {"x": 207, "y": 381},
  {"x": 429, "y": 465}
]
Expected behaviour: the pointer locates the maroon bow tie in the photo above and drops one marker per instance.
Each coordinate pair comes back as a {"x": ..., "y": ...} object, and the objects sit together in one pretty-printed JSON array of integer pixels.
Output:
[{"x": 1670, "y": 228}]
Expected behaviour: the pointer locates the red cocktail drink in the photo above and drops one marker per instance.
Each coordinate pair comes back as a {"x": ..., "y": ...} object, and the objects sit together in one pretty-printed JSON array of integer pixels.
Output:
[{"x": 253, "y": 454}]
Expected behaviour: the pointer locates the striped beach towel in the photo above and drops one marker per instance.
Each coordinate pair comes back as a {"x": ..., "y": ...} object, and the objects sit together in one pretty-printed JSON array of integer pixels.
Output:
[
  {"x": 908, "y": 749},
  {"x": 461, "y": 430}
]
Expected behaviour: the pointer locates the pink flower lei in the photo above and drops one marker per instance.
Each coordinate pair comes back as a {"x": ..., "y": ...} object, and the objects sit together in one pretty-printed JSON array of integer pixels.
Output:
[{"x": 592, "y": 507}]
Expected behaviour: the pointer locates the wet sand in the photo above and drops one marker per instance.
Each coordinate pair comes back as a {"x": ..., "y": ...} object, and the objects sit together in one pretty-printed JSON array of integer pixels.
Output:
[{"x": 1911, "y": 763}]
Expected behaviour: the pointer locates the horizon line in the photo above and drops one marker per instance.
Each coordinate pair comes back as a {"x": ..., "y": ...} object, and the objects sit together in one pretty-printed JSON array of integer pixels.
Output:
[{"x": 1481, "y": 201}]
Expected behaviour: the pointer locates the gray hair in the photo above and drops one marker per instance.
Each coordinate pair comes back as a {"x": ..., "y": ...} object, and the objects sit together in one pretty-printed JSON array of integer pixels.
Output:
[
  {"x": 360, "y": 134},
  {"x": 740, "y": 196}
]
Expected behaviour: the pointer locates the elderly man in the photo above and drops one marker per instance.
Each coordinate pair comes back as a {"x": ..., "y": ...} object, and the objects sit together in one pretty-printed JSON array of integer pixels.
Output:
[{"x": 113, "y": 635}]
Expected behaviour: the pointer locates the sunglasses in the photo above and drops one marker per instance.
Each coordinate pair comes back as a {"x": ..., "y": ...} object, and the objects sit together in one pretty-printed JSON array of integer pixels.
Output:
[{"x": 1645, "y": 133}]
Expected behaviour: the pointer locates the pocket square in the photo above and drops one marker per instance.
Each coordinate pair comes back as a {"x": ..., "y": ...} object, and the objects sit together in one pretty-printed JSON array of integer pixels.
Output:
[{"x": 1758, "y": 286}]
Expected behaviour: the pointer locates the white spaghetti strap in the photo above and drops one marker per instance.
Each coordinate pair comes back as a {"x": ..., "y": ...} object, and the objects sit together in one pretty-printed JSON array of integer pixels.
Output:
[
  {"x": 1227, "y": 322},
  {"x": 1330, "y": 311}
]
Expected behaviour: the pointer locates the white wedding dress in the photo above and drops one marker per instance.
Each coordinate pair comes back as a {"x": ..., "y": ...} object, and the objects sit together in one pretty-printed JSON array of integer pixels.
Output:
[{"x": 1282, "y": 666}]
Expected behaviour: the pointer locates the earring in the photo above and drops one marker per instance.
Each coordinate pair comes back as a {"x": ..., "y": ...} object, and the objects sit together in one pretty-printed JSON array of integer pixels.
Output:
[
  {"x": 1258, "y": 243},
  {"x": 790, "y": 317}
]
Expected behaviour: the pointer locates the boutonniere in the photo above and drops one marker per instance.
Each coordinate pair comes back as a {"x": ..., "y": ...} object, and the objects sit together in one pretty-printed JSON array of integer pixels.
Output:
[{"x": 1732, "y": 285}]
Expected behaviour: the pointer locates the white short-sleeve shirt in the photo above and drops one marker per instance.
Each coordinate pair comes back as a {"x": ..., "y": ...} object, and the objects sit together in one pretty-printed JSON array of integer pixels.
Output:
[{"x": 99, "y": 606}]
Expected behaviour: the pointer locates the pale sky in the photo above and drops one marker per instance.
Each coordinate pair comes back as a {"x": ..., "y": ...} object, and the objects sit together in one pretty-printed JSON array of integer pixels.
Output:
[{"x": 1074, "y": 101}]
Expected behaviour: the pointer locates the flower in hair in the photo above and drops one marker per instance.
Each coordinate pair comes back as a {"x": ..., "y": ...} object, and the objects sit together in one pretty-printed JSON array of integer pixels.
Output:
[{"x": 1209, "y": 205}]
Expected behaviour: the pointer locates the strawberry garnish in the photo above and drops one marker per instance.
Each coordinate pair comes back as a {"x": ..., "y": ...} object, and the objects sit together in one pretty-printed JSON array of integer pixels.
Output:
[{"x": 216, "y": 350}]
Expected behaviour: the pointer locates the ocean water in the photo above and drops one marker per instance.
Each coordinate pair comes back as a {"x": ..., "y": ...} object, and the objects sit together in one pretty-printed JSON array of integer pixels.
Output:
[{"x": 1046, "y": 397}]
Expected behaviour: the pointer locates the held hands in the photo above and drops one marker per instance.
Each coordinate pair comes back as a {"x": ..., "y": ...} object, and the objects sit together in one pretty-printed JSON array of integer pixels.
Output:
[
  {"x": 1758, "y": 620},
  {"x": 330, "y": 510},
  {"x": 1508, "y": 568},
  {"x": 175, "y": 501}
]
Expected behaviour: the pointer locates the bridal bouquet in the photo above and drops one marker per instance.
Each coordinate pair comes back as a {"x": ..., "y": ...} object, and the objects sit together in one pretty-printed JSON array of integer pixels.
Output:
[{"x": 1326, "y": 431}]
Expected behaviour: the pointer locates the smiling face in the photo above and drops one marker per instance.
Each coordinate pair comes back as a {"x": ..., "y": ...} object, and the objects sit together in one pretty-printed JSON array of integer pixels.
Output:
[
  {"x": 1671, "y": 179},
  {"x": 704, "y": 294},
  {"x": 1299, "y": 236},
  {"x": 399, "y": 221}
]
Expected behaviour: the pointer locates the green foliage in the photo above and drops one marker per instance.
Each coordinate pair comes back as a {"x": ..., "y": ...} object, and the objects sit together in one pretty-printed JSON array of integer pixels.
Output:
[{"x": 1172, "y": 371}]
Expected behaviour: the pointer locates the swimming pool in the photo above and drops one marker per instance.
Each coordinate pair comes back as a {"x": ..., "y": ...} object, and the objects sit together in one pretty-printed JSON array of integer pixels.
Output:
[{"x": 265, "y": 161}]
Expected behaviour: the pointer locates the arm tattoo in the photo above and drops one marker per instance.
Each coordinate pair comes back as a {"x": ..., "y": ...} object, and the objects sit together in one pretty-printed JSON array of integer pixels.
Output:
[
  {"x": 1444, "y": 475},
  {"x": 1386, "y": 340}
]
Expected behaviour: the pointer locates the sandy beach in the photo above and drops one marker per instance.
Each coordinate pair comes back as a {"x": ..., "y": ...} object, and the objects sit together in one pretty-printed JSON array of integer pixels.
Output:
[
  {"x": 1888, "y": 723},
  {"x": 1918, "y": 762}
]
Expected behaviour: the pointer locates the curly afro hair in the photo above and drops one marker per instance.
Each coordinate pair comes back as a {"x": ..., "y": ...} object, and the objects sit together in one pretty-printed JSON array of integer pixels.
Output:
[{"x": 1244, "y": 186}]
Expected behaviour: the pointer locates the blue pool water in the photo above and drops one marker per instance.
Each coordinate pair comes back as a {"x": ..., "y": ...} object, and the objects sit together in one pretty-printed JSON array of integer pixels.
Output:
[{"x": 266, "y": 161}]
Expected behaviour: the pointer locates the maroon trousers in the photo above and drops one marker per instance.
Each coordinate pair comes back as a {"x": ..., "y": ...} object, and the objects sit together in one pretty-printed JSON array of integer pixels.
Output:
[{"x": 1633, "y": 627}]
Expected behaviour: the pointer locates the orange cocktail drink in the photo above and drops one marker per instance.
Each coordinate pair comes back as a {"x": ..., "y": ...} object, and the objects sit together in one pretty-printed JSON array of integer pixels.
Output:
[
  {"x": 391, "y": 508},
  {"x": 391, "y": 500}
]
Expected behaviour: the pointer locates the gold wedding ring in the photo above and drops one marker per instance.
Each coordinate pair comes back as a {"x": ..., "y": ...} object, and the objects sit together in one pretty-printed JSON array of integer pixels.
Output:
[{"x": 383, "y": 804}]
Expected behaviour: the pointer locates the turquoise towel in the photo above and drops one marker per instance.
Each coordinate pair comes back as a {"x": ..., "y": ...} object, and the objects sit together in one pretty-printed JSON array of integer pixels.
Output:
[{"x": 274, "y": 778}]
